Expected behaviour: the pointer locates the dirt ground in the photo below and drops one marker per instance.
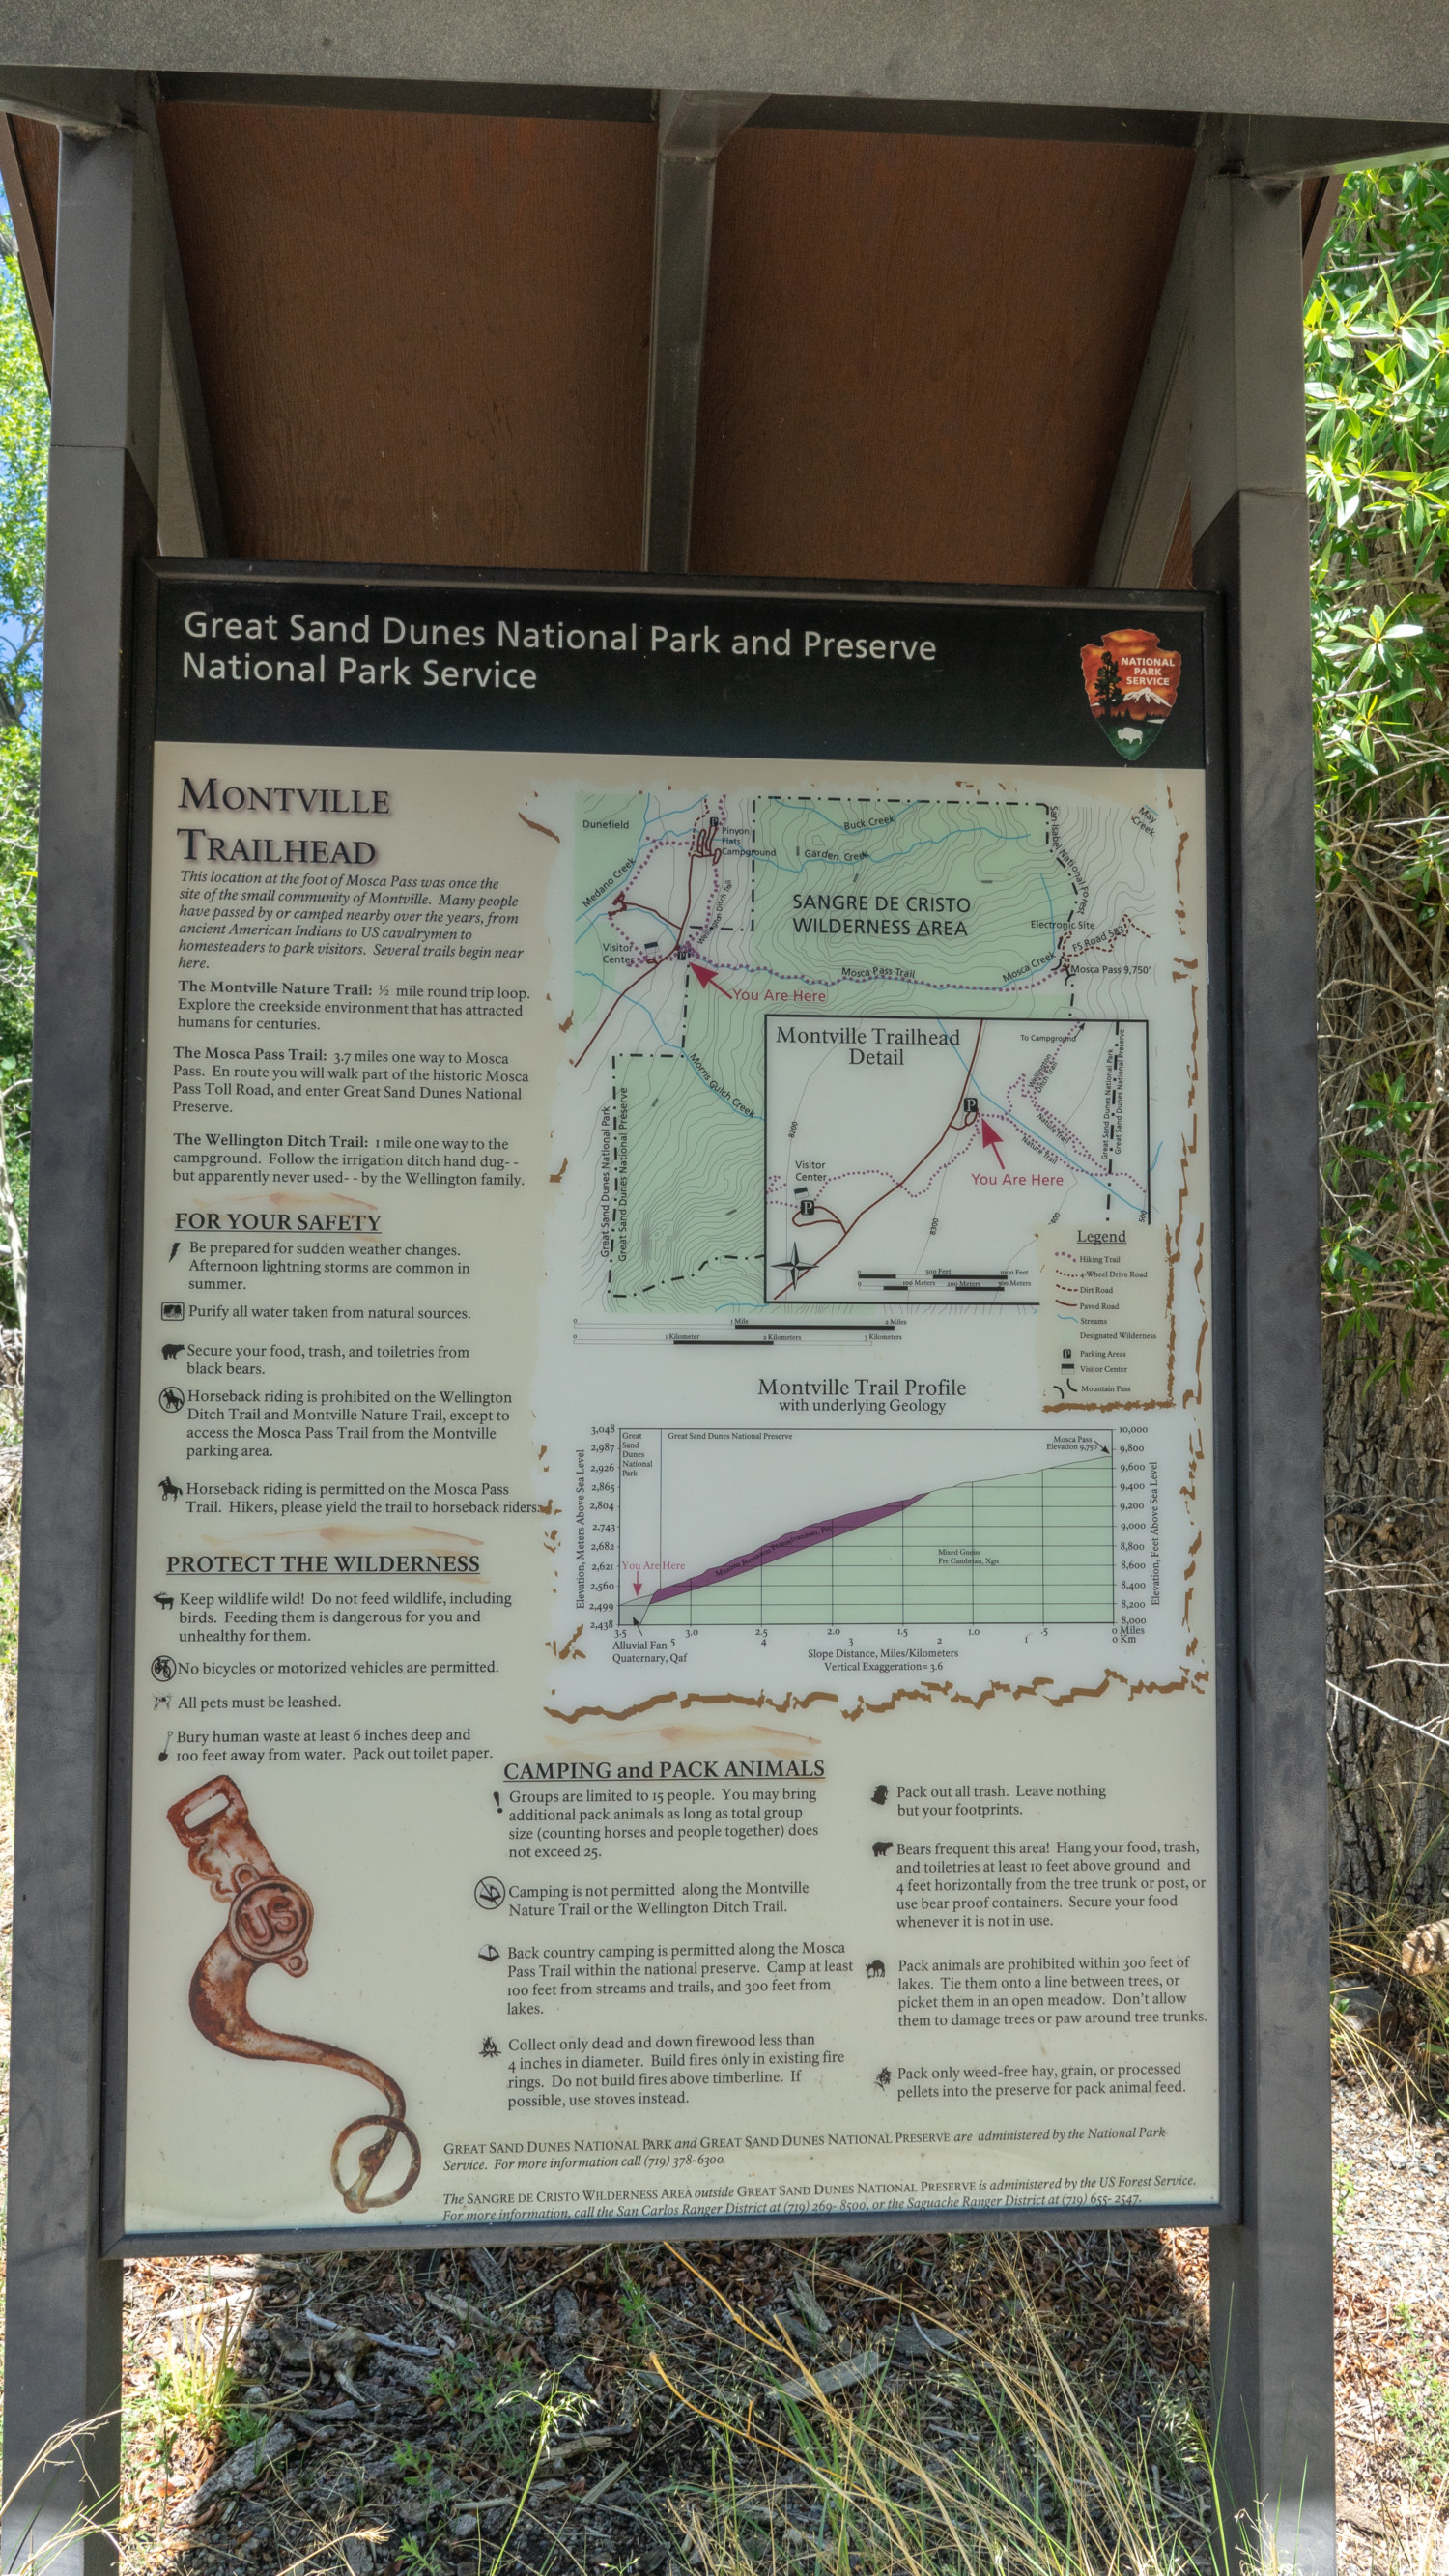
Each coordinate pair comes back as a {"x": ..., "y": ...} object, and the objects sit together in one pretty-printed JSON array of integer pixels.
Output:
[
  {"x": 376, "y": 2381},
  {"x": 392, "y": 2443}
]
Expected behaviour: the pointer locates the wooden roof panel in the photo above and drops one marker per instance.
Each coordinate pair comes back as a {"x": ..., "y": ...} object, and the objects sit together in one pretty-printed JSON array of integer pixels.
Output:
[
  {"x": 923, "y": 350},
  {"x": 37, "y": 151},
  {"x": 423, "y": 339}
]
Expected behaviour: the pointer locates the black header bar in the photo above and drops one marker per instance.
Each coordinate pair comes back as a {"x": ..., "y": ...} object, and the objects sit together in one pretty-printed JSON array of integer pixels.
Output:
[{"x": 487, "y": 661}]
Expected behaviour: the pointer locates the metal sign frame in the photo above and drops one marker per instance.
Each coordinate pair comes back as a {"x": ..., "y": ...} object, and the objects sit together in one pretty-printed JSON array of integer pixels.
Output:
[
  {"x": 1242, "y": 337},
  {"x": 739, "y": 735}
]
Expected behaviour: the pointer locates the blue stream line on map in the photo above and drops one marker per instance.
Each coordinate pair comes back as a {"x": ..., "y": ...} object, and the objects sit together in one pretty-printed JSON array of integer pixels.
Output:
[
  {"x": 823, "y": 858},
  {"x": 875, "y": 858},
  {"x": 1048, "y": 1144},
  {"x": 586, "y": 920},
  {"x": 669, "y": 1045},
  {"x": 1050, "y": 967}
]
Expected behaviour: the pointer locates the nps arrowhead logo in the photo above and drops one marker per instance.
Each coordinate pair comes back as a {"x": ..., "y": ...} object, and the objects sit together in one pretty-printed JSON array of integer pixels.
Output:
[{"x": 1131, "y": 687}]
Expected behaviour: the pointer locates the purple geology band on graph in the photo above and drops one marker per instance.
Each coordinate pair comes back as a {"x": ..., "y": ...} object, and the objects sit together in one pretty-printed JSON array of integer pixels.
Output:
[{"x": 789, "y": 1545}]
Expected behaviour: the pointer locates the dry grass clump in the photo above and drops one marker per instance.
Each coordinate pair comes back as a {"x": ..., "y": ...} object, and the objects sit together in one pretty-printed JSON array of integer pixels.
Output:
[
  {"x": 999, "y": 2460},
  {"x": 865, "y": 2406},
  {"x": 1390, "y": 2004}
]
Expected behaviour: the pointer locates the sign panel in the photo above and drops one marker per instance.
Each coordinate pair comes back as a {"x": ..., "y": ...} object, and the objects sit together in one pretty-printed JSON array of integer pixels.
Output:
[{"x": 674, "y": 1634}]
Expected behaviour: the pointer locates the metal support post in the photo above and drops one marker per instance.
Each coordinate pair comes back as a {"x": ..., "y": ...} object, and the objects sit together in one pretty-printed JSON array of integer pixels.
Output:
[
  {"x": 63, "y": 2305},
  {"x": 1272, "y": 2277},
  {"x": 189, "y": 514},
  {"x": 693, "y": 125}
]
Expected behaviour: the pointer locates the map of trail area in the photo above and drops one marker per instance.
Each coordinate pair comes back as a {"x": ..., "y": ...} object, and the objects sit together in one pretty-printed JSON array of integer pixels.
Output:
[
  {"x": 813, "y": 1032},
  {"x": 909, "y": 1160}
]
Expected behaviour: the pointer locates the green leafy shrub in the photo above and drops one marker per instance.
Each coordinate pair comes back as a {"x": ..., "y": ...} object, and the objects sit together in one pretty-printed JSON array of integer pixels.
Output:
[{"x": 1377, "y": 351}]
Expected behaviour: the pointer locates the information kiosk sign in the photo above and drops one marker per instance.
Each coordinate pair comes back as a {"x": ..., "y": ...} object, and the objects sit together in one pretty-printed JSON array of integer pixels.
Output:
[{"x": 677, "y": 1607}]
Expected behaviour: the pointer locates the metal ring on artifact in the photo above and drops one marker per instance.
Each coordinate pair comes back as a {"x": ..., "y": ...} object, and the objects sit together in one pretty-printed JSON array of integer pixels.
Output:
[
  {"x": 269, "y": 1922},
  {"x": 371, "y": 2159}
]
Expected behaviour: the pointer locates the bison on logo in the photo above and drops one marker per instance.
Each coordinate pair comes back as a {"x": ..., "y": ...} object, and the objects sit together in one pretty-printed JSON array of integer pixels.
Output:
[{"x": 1131, "y": 687}]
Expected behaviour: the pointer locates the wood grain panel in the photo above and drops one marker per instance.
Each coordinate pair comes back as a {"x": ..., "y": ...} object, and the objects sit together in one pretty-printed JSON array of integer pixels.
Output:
[
  {"x": 37, "y": 149},
  {"x": 422, "y": 339},
  {"x": 923, "y": 351},
  {"x": 1177, "y": 571}
]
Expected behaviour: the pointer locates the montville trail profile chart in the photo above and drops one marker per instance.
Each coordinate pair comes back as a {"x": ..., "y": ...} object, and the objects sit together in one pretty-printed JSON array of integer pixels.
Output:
[{"x": 1032, "y": 1546}]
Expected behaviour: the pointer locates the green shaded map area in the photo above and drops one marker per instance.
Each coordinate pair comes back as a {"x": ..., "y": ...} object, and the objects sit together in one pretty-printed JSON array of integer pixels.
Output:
[
  {"x": 724, "y": 1036},
  {"x": 999, "y": 1552},
  {"x": 609, "y": 832},
  {"x": 687, "y": 1220},
  {"x": 696, "y": 917},
  {"x": 950, "y": 894}
]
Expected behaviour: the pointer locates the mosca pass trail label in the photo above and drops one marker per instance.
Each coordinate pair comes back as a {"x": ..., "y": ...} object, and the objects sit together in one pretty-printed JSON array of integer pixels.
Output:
[{"x": 1131, "y": 687}]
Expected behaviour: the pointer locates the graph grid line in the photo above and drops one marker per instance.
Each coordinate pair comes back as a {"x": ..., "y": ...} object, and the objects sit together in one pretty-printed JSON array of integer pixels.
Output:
[{"x": 1029, "y": 1549}]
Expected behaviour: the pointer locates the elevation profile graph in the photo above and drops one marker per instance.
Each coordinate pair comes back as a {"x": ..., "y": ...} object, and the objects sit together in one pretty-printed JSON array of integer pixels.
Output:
[{"x": 909, "y": 1541}]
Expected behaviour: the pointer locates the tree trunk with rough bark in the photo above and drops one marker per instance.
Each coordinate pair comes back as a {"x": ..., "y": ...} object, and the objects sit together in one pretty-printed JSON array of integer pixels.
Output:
[{"x": 1388, "y": 1618}]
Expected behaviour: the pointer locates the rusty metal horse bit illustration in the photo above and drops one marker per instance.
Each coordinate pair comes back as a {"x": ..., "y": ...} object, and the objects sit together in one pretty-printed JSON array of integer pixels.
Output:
[{"x": 268, "y": 1925}]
